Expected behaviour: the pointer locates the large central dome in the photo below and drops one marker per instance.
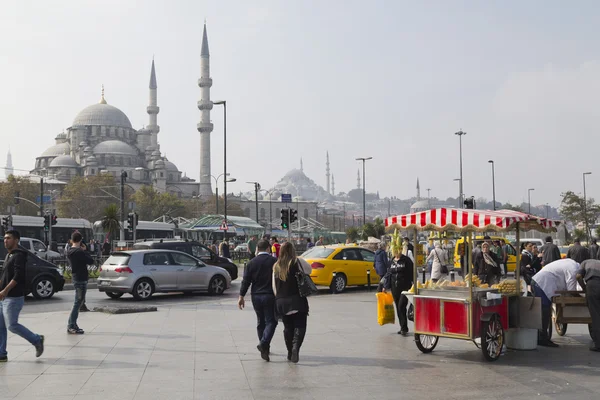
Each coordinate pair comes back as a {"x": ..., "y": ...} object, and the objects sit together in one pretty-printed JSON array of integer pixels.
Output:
[{"x": 102, "y": 114}]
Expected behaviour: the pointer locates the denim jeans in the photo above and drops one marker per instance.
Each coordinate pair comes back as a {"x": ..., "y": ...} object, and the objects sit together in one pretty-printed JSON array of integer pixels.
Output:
[
  {"x": 80, "y": 291},
  {"x": 264, "y": 307},
  {"x": 10, "y": 308}
]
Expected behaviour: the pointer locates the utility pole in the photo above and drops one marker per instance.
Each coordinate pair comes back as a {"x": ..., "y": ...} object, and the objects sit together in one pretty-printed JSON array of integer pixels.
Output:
[
  {"x": 42, "y": 206},
  {"x": 460, "y": 134},
  {"x": 122, "y": 230}
]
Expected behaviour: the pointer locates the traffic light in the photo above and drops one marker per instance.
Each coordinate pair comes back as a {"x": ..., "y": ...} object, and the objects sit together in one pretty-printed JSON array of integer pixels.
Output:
[
  {"x": 293, "y": 216},
  {"x": 53, "y": 219},
  {"x": 6, "y": 222},
  {"x": 46, "y": 222},
  {"x": 17, "y": 197},
  {"x": 137, "y": 219},
  {"x": 131, "y": 220},
  {"x": 285, "y": 218},
  {"x": 470, "y": 203}
]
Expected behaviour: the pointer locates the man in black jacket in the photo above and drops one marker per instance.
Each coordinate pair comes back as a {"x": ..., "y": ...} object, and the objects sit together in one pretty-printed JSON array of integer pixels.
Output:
[
  {"x": 12, "y": 296},
  {"x": 259, "y": 274},
  {"x": 79, "y": 259},
  {"x": 399, "y": 278}
]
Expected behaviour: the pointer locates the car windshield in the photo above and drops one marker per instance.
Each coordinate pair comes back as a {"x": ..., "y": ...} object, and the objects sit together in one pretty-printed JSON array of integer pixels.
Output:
[
  {"x": 317, "y": 252},
  {"x": 117, "y": 259}
]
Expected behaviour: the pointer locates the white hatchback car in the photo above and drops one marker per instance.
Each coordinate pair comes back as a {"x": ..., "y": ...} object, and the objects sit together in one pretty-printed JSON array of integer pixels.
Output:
[{"x": 145, "y": 272}]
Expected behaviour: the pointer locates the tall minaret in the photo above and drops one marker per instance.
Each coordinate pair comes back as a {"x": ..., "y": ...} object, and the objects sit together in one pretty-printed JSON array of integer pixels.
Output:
[
  {"x": 327, "y": 174},
  {"x": 8, "y": 170},
  {"x": 332, "y": 185},
  {"x": 358, "y": 178},
  {"x": 153, "y": 110},
  {"x": 205, "y": 127},
  {"x": 301, "y": 165},
  {"x": 418, "y": 190}
]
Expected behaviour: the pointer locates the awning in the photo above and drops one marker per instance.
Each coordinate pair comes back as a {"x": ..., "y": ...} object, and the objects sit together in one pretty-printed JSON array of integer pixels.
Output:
[
  {"x": 463, "y": 220},
  {"x": 240, "y": 225}
]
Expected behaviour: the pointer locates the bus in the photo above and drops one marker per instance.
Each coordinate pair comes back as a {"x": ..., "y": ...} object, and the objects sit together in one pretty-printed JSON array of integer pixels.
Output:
[
  {"x": 145, "y": 230},
  {"x": 33, "y": 227}
]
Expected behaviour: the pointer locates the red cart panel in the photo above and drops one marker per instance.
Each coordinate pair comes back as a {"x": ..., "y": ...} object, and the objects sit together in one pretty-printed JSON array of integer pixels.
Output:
[
  {"x": 456, "y": 317},
  {"x": 427, "y": 315},
  {"x": 479, "y": 310}
]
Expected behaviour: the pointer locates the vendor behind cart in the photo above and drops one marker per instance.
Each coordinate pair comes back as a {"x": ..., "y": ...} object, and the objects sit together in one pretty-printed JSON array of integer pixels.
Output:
[
  {"x": 588, "y": 277},
  {"x": 557, "y": 276}
]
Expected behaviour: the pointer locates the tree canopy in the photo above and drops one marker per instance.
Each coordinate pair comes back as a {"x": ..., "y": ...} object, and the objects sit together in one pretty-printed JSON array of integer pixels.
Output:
[{"x": 24, "y": 188}]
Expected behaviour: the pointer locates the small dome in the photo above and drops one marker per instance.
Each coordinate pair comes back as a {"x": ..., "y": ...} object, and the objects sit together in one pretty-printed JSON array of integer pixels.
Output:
[
  {"x": 421, "y": 205},
  {"x": 56, "y": 150},
  {"x": 87, "y": 149},
  {"x": 115, "y": 147},
  {"x": 83, "y": 143},
  {"x": 64, "y": 161},
  {"x": 103, "y": 115},
  {"x": 170, "y": 166},
  {"x": 156, "y": 153},
  {"x": 91, "y": 160},
  {"x": 159, "y": 164}
]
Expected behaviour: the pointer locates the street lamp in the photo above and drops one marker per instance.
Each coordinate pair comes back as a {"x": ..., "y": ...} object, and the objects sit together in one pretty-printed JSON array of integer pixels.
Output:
[
  {"x": 460, "y": 205},
  {"x": 217, "y": 188},
  {"x": 122, "y": 199},
  {"x": 270, "y": 210},
  {"x": 256, "y": 189},
  {"x": 493, "y": 184},
  {"x": 587, "y": 229},
  {"x": 460, "y": 134},
  {"x": 224, "y": 104},
  {"x": 363, "y": 159},
  {"x": 529, "y": 199}
]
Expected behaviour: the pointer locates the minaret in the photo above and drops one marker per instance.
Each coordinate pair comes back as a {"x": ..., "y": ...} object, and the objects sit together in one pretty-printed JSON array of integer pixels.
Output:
[
  {"x": 332, "y": 185},
  {"x": 358, "y": 178},
  {"x": 8, "y": 170},
  {"x": 327, "y": 175},
  {"x": 205, "y": 127},
  {"x": 153, "y": 110},
  {"x": 418, "y": 190},
  {"x": 301, "y": 165}
]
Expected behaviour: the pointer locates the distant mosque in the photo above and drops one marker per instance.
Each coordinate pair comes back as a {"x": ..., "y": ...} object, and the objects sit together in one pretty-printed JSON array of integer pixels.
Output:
[{"x": 101, "y": 140}]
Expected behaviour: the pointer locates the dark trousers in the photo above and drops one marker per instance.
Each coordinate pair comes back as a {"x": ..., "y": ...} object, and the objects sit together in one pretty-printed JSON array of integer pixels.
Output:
[
  {"x": 401, "y": 302},
  {"x": 592, "y": 294},
  {"x": 264, "y": 307},
  {"x": 546, "y": 310},
  {"x": 80, "y": 291}
]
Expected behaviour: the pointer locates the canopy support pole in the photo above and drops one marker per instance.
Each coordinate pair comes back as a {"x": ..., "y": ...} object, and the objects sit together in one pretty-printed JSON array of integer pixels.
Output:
[{"x": 518, "y": 276}]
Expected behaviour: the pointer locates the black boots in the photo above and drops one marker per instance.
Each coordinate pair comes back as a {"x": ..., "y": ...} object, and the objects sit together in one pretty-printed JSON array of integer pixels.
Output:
[
  {"x": 288, "y": 336},
  {"x": 297, "y": 343}
]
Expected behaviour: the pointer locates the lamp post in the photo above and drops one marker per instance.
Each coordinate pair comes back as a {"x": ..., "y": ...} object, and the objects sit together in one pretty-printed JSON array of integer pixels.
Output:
[
  {"x": 270, "y": 210},
  {"x": 493, "y": 184},
  {"x": 460, "y": 134},
  {"x": 217, "y": 189},
  {"x": 224, "y": 104},
  {"x": 363, "y": 159},
  {"x": 547, "y": 209},
  {"x": 256, "y": 189},
  {"x": 529, "y": 198},
  {"x": 585, "y": 216},
  {"x": 122, "y": 200},
  {"x": 460, "y": 205}
]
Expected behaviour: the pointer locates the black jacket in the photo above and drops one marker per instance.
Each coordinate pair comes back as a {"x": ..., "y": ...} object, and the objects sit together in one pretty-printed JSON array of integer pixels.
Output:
[
  {"x": 399, "y": 275},
  {"x": 14, "y": 269},
  {"x": 550, "y": 253},
  {"x": 486, "y": 272},
  {"x": 288, "y": 296},
  {"x": 381, "y": 262},
  {"x": 79, "y": 260},
  {"x": 578, "y": 253},
  {"x": 258, "y": 274}
]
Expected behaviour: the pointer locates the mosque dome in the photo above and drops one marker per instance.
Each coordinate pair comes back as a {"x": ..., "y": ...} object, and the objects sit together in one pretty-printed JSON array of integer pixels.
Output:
[
  {"x": 115, "y": 147},
  {"x": 170, "y": 166},
  {"x": 421, "y": 205},
  {"x": 102, "y": 114},
  {"x": 64, "y": 161},
  {"x": 56, "y": 150}
]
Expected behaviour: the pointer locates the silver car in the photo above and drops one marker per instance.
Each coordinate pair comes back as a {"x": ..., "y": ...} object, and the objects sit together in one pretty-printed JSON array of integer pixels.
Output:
[{"x": 145, "y": 272}]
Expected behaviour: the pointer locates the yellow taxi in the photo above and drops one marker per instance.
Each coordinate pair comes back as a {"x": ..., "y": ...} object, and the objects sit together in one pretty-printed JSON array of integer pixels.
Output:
[
  {"x": 512, "y": 253},
  {"x": 339, "y": 266}
]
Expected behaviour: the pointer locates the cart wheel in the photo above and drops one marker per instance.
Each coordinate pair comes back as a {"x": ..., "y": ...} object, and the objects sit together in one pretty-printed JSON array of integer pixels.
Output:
[
  {"x": 561, "y": 329},
  {"x": 426, "y": 343},
  {"x": 492, "y": 338}
]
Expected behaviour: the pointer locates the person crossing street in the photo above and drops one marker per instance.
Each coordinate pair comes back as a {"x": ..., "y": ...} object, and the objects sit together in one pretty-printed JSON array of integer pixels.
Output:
[{"x": 79, "y": 259}]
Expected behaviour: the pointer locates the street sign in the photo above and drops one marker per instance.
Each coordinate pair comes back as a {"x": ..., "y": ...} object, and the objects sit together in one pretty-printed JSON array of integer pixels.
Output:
[
  {"x": 47, "y": 199},
  {"x": 286, "y": 198},
  {"x": 223, "y": 226}
]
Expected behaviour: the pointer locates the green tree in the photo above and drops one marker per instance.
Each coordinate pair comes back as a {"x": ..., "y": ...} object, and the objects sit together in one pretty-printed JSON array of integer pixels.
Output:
[
  {"x": 509, "y": 206},
  {"x": 379, "y": 227},
  {"x": 352, "y": 233},
  {"x": 368, "y": 230},
  {"x": 24, "y": 188},
  {"x": 572, "y": 209},
  {"x": 579, "y": 234},
  {"x": 151, "y": 204},
  {"x": 110, "y": 220}
]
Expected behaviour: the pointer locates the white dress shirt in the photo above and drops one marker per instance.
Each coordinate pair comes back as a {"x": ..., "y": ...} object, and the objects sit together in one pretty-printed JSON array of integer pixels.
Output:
[{"x": 556, "y": 276}]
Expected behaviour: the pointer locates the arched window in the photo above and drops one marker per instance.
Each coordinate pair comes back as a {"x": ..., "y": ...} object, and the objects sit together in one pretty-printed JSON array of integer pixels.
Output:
[
  {"x": 306, "y": 213},
  {"x": 262, "y": 213}
]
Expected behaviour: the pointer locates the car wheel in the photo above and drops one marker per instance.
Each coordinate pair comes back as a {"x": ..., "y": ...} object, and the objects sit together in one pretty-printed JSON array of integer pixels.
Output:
[
  {"x": 217, "y": 285},
  {"x": 43, "y": 288},
  {"x": 338, "y": 283},
  {"x": 143, "y": 289},
  {"x": 114, "y": 295}
]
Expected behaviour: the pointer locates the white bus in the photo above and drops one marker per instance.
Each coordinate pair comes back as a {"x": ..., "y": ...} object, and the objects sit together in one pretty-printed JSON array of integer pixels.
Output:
[
  {"x": 33, "y": 227},
  {"x": 145, "y": 230}
]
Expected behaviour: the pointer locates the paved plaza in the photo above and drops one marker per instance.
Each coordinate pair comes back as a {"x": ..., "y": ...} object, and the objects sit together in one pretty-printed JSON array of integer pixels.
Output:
[{"x": 203, "y": 347}]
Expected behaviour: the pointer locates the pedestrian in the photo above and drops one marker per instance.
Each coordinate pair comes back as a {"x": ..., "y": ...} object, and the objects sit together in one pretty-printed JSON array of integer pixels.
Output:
[
  {"x": 292, "y": 307},
  {"x": 399, "y": 278},
  {"x": 92, "y": 246},
  {"x": 409, "y": 245},
  {"x": 106, "y": 248},
  {"x": 594, "y": 250},
  {"x": 550, "y": 252},
  {"x": 224, "y": 249},
  {"x": 406, "y": 250},
  {"x": 12, "y": 296},
  {"x": 556, "y": 276},
  {"x": 309, "y": 244},
  {"x": 381, "y": 263},
  {"x": 79, "y": 259},
  {"x": 498, "y": 251},
  {"x": 530, "y": 263},
  {"x": 321, "y": 241},
  {"x": 268, "y": 239},
  {"x": 588, "y": 277},
  {"x": 252, "y": 247},
  {"x": 275, "y": 247},
  {"x": 258, "y": 275},
  {"x": 486, "y": 267},
  {"x": 439, "y": 262},
  {"x": 578, "y": 253}
]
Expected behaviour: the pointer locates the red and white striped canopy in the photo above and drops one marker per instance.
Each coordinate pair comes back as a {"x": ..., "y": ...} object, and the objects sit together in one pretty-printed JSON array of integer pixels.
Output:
[{"x": 461, "y": 220}]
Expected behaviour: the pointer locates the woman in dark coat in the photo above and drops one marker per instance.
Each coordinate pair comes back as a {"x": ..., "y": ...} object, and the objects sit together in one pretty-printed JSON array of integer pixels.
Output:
[
  {"x": 486, "y": 266},
  {"x": 399, "y": 278}
]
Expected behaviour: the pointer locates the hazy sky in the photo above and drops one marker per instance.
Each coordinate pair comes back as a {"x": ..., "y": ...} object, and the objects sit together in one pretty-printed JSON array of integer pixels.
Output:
[{"x": 389, "y": 79}]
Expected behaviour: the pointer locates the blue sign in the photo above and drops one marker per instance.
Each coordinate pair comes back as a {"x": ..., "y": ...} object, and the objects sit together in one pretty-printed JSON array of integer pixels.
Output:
[
  {"x": 47, "y": 199},
  {"x": 286, "y": 198}
]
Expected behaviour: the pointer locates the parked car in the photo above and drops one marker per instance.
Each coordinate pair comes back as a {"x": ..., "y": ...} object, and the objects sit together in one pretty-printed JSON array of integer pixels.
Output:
[
  {"x": 145, "y": 272},
  {"x": 192, "y": 248},
  {"x": 42, "y": 278},
  {"x": 38, "y": 248},
  {"x": 349, "y": 262}
]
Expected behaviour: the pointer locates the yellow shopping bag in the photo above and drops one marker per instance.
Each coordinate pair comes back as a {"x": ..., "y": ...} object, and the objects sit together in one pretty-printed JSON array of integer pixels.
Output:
[{"x": 385, "y": 308}]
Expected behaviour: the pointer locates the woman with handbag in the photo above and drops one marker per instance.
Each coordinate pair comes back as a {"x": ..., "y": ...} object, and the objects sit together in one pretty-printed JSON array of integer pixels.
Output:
[
  {"x": 289, "y": 304},
  {"x": 439, "y": 267}
]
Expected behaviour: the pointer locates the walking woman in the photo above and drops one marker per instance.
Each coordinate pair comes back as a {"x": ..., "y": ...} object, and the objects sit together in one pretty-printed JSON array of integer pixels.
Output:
[{"x": 292, "y": 307}]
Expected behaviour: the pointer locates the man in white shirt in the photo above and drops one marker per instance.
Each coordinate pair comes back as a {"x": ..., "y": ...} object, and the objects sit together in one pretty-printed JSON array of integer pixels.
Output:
[{"x": 556, "y": 276}]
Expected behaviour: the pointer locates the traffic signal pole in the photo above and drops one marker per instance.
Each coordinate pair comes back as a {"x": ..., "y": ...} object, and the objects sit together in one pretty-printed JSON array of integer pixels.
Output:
[{"x": 289, "y": 216}]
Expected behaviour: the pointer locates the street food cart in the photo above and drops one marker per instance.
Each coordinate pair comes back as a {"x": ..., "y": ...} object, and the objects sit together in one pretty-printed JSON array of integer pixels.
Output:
[
  {"x": 570, "y": 307},
  {"x": 466, "y": 312}
]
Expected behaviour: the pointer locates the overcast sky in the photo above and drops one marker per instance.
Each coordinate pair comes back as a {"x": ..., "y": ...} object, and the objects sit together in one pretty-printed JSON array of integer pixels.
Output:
[{"x": 389, "y": 79}]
